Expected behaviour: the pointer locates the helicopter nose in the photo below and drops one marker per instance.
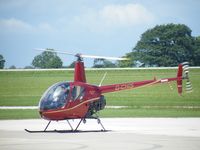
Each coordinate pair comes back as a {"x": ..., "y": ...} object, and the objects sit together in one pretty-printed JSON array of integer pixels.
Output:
[{"x": 42, "y": 115}]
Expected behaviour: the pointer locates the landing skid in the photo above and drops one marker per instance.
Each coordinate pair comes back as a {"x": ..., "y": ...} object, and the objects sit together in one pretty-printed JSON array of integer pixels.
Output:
[
  {"x": 73, "y": 130},
  {"x": 65, "y": 131}
]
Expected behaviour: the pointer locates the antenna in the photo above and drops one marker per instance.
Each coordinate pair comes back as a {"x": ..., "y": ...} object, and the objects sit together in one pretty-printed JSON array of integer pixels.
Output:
[{"x": 103, "y": 78}]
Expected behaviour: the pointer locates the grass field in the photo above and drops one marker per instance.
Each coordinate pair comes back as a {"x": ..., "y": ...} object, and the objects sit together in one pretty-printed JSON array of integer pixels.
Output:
[{"x": 24, "y": 88}]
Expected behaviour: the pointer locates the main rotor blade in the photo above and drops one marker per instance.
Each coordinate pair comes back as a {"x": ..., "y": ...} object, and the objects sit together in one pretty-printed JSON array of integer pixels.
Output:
[
  {"x": 54, "y": 51},
  {"x": 81, "y": 55},
  {"x": 103, "y": 57}
]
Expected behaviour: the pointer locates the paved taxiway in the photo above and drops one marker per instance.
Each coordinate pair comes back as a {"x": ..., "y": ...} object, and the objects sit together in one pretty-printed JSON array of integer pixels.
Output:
[{"x": 126, "y": 133}]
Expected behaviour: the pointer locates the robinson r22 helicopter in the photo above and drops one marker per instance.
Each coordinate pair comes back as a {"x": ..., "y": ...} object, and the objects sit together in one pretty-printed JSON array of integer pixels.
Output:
[{"x": 80, "y": 100}]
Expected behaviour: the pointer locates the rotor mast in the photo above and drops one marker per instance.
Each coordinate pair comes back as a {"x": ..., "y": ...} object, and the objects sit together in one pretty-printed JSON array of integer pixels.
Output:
[{"x": 79, "y": 70}]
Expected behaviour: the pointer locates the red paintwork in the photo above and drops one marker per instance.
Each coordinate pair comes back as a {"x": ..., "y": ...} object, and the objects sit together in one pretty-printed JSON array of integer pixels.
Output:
[
  {"x": 79, "y": 108},
  {"x": 179, "y": 76},
  {"x": 79, "y": 72},
  {"x": 74, "y": 109}
]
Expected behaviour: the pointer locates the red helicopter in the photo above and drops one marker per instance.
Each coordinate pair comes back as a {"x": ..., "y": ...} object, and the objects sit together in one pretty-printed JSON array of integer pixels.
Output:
[{"x": 80, "y": 100}]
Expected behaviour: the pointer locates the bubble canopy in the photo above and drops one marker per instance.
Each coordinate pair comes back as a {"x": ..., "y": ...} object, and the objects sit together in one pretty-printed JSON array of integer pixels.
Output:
[{"x": 55, "y": 96}]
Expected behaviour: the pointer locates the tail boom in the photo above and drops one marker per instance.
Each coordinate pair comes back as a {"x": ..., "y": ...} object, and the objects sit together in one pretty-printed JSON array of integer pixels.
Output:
[
  {"x": 133, "y": 85},
  {"x": 125, "y": 86}
]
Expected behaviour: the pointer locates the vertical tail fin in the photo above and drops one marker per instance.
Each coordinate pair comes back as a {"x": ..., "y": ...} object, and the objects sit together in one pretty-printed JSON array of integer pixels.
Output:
[{"x": 179, "y": 78}]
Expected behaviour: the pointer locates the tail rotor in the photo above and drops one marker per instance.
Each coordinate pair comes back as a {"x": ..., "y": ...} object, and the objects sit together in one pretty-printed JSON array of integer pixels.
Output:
[{"x": 186, "y": 77}]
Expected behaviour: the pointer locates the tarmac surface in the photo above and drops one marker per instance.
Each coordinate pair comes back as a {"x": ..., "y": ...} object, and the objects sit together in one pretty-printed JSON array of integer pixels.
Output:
[{"x": 122, "y": 133}]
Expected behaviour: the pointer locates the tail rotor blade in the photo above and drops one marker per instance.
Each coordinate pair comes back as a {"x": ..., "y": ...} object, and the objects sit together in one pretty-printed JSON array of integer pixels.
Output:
[{"x": 188, "y": 85}]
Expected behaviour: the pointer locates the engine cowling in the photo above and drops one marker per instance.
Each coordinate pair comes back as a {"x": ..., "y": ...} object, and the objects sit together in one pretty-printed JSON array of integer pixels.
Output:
[{"x": 96, "y": 106}]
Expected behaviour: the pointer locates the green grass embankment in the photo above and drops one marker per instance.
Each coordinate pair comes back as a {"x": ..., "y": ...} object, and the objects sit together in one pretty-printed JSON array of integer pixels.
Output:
[{"x": 24, "y": 88}]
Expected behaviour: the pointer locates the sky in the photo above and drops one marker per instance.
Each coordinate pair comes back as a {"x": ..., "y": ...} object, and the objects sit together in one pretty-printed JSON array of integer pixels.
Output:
[{"x": 93, "y": 27}]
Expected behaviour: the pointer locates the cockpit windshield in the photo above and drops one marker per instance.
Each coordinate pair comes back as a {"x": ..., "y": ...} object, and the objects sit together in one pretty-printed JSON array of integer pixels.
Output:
[{"x": 55, "y": 97}]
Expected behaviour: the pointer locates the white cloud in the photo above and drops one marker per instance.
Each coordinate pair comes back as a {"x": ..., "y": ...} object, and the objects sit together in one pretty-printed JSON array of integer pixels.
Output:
[
  {"x": 96, "y": 20},
  {"x": 45, "y": 27},
  {"x": 18, "y": 26},
  {"x": 126, "y": 15},
  {"x": 14, "y": 25},
  {"x": 115, "y": 16}
]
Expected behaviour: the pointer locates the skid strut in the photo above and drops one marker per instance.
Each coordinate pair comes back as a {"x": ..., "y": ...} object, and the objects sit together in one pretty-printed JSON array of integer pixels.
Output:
[
  {"x": 72, "y": 129},
  {"x": 70, "y": 125},
  {"x": 47, "y": 126}
]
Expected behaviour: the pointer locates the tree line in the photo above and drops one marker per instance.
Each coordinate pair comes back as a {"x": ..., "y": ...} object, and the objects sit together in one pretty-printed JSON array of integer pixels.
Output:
[{"x": 163, "y": 45}]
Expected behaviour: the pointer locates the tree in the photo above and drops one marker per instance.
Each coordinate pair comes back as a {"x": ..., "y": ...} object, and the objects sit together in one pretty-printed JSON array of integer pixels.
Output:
[
  {"x": 72, "y": 65},
  {"x": 127, "y": 63},
  {"x": 12, "y": 67},
  {"x": 2, "y": 61},
  {"x": 102, "y": 63},
  {"x": 197, "y": 51},
  {"x": 28, "y": 67},
  {"x": 165, "y": 45},
  {"x": 47, "y": 60}
]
